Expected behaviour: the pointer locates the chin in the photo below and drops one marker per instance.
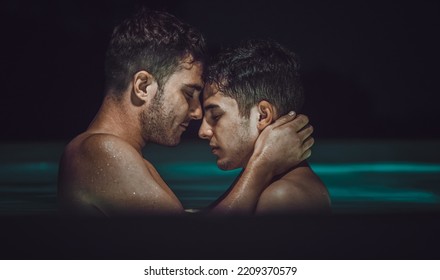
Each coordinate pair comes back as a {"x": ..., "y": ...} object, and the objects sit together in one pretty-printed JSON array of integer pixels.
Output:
[
  {"x": 224, "y": 168},
  {"x": 169, "y": 142},
  {"x": 173, "y": 143},
  {"x": 225, "y": 165}
]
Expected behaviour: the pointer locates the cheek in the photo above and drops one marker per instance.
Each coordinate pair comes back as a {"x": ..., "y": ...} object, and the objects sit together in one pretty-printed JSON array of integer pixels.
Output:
[
  {"x": 178, "y": 107},
  {"x": 245, "y": 138},
  {"x": 235, "y": 140},
  {"x": 182, "y": 106},
  {"x": 236, "y": 151}
]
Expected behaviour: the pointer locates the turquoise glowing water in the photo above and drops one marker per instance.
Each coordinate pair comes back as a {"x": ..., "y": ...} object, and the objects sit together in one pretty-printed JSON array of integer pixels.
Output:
[{"x": 357, "y": 183}]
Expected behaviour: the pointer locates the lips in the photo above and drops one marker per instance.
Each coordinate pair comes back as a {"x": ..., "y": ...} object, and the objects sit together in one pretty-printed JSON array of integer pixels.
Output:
[
  {"x": 184, "y": 125},
  {"x": 214, "y": 148}
]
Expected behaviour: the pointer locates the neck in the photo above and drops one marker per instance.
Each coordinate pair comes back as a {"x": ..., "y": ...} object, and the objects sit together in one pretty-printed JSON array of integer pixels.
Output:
[{"x": 118, "y": 118}]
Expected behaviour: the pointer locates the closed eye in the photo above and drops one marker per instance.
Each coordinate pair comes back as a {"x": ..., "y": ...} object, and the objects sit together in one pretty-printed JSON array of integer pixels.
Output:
[
  {"x": 189, "y": 94},
  {"x": 213, "y": 112},
  {"x": 215, "y": 117},
  {"x": 189, "y": 90}
]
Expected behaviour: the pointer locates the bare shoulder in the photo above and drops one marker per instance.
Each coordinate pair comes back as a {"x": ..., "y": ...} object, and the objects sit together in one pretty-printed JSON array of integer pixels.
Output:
[
  {"x": 94, "y": 148},
  {"x": 92, "y": 153},
  {"x": 298, "y": 191},
  {"x": 105, "y": 173}
]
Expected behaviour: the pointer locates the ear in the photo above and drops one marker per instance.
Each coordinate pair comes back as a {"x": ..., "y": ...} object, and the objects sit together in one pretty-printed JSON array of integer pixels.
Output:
[
  {"x": 144, "y": 86},
  {"x": 267, "y": 114}
]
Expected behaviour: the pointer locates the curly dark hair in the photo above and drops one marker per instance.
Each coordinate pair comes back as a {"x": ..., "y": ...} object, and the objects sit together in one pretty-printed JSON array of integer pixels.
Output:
[
  {"x": 258, "y": 70},
  {"x": 155, "y": 41}
]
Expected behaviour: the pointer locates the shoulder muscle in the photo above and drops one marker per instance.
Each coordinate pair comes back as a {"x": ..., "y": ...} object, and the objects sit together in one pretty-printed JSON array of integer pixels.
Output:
[{"x": 109, "y": 173}]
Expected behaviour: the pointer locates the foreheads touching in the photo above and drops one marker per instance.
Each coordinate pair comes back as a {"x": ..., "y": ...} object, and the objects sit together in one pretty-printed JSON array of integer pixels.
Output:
[
  {"x": 154, "y": 41},
  {"x": 255, "y": 71}
]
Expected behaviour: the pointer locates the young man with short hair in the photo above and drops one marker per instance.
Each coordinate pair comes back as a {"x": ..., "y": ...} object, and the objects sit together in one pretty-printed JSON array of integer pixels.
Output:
[{"x": 247, "y": 89}]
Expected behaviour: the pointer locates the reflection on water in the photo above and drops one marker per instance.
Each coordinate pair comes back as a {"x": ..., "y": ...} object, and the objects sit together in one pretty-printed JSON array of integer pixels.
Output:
[{"x": 28, "y": 184}]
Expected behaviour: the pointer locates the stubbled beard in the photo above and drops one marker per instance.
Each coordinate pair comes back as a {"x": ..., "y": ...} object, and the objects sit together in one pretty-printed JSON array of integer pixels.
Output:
[{"x": 157, "y": 123}]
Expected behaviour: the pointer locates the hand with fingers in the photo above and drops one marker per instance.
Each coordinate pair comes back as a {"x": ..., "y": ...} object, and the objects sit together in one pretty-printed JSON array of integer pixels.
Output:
[{"x": 284, "y": 144}]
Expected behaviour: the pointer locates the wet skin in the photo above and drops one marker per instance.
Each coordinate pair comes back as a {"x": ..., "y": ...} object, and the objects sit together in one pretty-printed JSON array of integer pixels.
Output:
[
  {"x": 232, "y": 138},
  {"x": 103, "y": 173}
]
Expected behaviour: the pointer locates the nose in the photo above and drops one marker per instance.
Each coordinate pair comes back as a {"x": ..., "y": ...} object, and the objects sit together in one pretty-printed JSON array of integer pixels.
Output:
[
  {"x": 195, "y": 111},
  {"x": 205, "y": 131}
]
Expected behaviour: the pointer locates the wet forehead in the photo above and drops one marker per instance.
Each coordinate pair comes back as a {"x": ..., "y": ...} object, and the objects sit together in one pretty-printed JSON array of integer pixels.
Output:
[
  {"x": 209, "y": 91},
  {"x": 213, "y": 98}
]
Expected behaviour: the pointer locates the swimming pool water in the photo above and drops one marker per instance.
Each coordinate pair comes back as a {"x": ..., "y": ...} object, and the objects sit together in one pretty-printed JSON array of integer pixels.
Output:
[{"x": 362, "y": 177}]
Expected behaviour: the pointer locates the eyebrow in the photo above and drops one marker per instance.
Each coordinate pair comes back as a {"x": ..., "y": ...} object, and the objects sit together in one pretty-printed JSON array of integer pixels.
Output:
[
  {"x": 211, "y": 106},
  {"x": 194, "y": 86}
]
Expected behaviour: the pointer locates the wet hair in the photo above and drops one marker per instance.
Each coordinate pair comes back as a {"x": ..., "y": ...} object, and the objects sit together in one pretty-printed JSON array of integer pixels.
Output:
[
  {"x": 258, "y": 70},
  {"x": 153, "y": 41}
]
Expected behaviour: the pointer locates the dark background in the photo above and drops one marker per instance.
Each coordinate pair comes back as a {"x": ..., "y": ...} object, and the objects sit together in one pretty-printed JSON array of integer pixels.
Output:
[{"x": 369, "y": 68}]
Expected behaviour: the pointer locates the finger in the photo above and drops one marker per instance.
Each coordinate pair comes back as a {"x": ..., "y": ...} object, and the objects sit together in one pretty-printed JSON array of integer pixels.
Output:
[
  {"x": 284, "y": 119},
  {"x": 300, "y": 122},
  {"x": 297, "y": 123},
  {"x": 306, "y": 154},
  {"x": 308, "y": 143},
  {"x": 305, "y": 132}
]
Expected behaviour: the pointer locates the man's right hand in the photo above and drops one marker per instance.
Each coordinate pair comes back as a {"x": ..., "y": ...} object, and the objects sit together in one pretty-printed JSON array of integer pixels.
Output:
[{"x": 283, "y": 144}]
